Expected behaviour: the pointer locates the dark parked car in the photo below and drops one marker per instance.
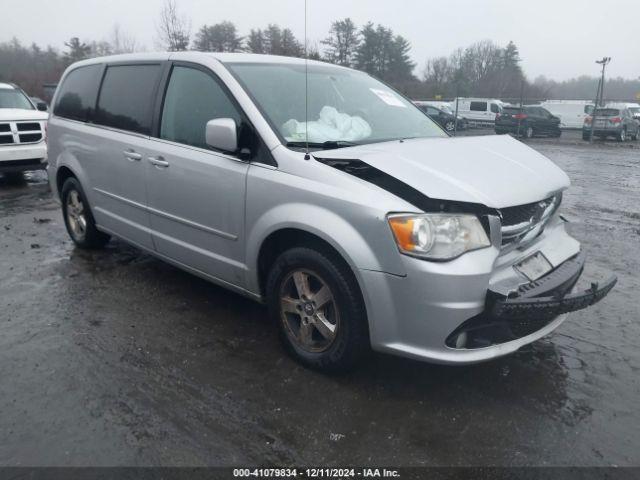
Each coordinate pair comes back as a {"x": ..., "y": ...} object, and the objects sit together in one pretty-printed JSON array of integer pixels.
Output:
[
  {"x": 443, "y": 117},
  {"x": 611, "y": 122},
  {"x": 528, "y": 121}
]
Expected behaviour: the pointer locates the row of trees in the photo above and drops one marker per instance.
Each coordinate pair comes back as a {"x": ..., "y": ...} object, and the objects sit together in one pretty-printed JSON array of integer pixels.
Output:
[{"x": 482, "y": 69}]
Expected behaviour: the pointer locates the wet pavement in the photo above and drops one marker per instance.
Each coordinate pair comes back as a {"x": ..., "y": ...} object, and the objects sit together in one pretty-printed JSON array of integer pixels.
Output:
[{"x": 115, "y": 358}]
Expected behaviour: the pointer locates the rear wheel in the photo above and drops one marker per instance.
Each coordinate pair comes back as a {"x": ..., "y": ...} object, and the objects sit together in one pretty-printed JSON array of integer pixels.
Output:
[
  {"x": 450, "y": 126},
  {"x": 316, "y": 302},
  {"x": 528, "y": 132},
  {"x": 622, "y": 136},
  {"x": 78, "y": 218}
]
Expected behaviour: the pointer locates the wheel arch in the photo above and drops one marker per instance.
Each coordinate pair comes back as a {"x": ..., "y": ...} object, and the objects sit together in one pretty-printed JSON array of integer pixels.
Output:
[{"x": 270, "y": 235}]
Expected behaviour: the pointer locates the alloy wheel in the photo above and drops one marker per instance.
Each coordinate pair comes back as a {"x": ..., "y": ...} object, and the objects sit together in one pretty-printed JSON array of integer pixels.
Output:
[
  {"x": 76, "y": 216},
  {"x": 308, "y": 311}
]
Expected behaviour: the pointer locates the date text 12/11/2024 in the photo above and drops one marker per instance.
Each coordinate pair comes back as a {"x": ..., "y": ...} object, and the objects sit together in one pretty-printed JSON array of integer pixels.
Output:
[{"x": 315, "y": 473}]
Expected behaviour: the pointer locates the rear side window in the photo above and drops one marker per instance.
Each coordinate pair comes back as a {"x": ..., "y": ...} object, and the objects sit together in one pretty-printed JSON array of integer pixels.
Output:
[
  {"x": 478, "y": 106},
  {"x": 77, "y": 97},
  {"x": 126, "y": 97},
  {"x": 193, "y": 98}
]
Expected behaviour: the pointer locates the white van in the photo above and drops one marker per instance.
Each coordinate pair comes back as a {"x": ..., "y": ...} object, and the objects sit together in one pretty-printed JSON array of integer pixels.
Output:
[
  {"x": 571, "y": 112},
  {"x": 479, "y": 111}
]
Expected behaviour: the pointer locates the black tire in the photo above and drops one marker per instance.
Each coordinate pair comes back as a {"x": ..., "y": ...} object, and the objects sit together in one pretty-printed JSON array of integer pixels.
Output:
[
  {"x": 557, "y": 134},
  {"x": 528, "y": 132},
  {"x": 622, "y": 136},
  {"x": 91, "y": 238},
  {"x": 586, "y": 136},
  {"x": 450, "y": 126},
  {"x": 350, "y": 342}
]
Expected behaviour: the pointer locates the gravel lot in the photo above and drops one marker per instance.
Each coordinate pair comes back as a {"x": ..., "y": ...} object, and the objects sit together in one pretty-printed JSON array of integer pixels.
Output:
[{"x": 115, "y": 358}]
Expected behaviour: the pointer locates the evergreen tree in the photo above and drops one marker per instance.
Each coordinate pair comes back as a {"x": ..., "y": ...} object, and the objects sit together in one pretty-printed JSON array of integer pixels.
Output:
[
  {"x": 221, "y": 37},
  {"x": 77, "y": 50},
  {"x": 256, "y": 43},
  {"x": 342, "y": 43}
]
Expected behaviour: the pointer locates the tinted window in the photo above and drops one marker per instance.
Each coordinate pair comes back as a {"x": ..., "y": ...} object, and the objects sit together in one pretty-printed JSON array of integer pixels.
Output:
[
  {"x": 126, "y": 97},
  {"x": 495, "y": 108},
  {"x": 77, "y": 97},
  {"x": 512, "y": 110},
  {"x": 478, "y": 106},
  {"x": 193, "y": 98},
  {"x": 607, "y": 112},
  {"x": 432, "y": 111}
]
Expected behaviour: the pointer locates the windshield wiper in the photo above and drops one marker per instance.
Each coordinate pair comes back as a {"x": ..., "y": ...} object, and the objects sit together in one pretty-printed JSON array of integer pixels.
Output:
[{"x": 328, "y": 145}]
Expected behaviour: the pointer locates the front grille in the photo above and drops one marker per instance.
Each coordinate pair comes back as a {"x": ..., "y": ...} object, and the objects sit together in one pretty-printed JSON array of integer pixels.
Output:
[
  {"x": 18, "y": 133},
  {"x": 30, "y": 137},
  {"x": 523, "y": 223},
  {"x": 25, "y": 127}
]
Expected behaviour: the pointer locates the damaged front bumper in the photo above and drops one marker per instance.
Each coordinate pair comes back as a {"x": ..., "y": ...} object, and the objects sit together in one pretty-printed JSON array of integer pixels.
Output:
[
  {"x": 479, "y": 306},
  {"x": 531, "y": 307}
]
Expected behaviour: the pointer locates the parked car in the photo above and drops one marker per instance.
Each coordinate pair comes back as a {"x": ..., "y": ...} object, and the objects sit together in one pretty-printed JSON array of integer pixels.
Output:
[
  {"x": 571, "y": 113},
  {"x": 527, "y": 121},
  {"x": 478, "y": 111},
  {"x": 634, "y": 108},
  {"x": 443, "y": 116},
  {"x": 611, "y": 122},
  {"x": 40, "y": 104},
  {"x": 354, "y": 217},
  {"x": 22, "y": 132}
]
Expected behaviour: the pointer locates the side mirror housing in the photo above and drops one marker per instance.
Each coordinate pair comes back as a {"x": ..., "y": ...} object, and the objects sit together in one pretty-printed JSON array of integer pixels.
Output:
[
  {"x": 222, "y": 134},
  {"x": 42, "y": 107}
]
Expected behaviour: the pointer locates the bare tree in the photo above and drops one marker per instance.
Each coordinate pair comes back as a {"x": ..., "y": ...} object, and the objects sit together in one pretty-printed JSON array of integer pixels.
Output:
[
  {"x": 122, "y": 42},
  {"x": 174, "y": 29}
]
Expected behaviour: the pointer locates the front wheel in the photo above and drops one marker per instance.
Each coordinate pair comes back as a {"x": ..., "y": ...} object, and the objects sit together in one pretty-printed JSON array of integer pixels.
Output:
[
  {"x": 78, "y": 218},
  {"x": 315, "y": 300},
  {"x": 449, "y": 126}
]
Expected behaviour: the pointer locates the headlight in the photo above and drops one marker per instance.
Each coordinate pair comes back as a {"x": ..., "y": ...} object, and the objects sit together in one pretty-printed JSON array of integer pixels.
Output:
[{"x": 438, "y": 236}]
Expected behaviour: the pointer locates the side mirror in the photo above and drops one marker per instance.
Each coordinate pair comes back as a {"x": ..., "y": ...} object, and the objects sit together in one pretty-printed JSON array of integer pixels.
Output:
[
  {"x": 222, "y": 134},
  {"x": 42, "y": 107}
]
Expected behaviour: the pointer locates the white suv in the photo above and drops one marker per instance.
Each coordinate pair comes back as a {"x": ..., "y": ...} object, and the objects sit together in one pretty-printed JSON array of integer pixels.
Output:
[{"x": 22, "y": 131}]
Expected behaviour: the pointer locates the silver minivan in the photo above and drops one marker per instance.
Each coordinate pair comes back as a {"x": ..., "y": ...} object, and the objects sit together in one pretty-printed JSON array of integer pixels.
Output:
[{"x": 325, "y": 194}]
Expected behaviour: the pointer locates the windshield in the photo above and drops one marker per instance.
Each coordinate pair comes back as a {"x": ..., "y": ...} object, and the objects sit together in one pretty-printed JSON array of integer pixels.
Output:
[
  {"x": 345, "y": 107},
  {"x": 10, "y": 98},
  {"x": 634, "y": 110}
]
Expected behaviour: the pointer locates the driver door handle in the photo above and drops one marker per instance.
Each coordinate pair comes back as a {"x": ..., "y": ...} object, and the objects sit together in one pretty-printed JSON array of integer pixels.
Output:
[
  {"x": 159, "y": 162},
  {"x": 132, "y": 155}
]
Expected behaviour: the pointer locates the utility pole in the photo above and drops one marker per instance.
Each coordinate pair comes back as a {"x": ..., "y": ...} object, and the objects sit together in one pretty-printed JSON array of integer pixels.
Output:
[{"x": 599, "y": 94}]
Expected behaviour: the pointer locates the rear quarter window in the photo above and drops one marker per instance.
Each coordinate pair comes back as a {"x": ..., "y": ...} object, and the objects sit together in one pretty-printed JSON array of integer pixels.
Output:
[
  {"x": 126, "y": 97},
  {"x": 478, "y": 106},
  {"x": 77, "y": 97}
]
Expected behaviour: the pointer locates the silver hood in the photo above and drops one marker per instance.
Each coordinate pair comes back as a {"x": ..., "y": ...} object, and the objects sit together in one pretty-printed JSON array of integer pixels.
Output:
[{"x": 496, "y": 171}]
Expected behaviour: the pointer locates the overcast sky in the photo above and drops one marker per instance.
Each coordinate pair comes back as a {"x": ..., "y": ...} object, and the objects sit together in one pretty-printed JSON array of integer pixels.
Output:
[{"x": 557, "y": 38}]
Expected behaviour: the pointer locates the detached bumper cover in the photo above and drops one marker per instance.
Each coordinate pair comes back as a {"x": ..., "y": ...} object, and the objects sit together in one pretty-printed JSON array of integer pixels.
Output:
[
  {"x": 530, "y": 309},
  {"x": 549, "y": 296}
]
